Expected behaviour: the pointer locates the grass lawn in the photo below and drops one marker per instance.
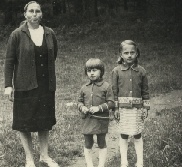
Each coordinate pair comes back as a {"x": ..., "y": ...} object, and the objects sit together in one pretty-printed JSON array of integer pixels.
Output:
[{"x": 161, "y": 57}]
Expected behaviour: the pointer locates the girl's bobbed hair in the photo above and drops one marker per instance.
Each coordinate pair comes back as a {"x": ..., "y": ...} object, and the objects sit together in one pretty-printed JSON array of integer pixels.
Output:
[
  {"x": 26, "y": 6},
  {"x": 95, "y": 63},
  {"x": 128, "y": 42}
]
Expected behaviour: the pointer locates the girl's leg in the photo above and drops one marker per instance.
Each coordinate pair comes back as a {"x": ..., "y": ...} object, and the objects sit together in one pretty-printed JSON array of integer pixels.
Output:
[
  {"x": 26, "y": 140},
  {"x": 88, "y": 149},
  {"x": 44, "y": 157},
  {"x": 101, "y": 140},
  {"x": 138, "y": 141},
  {"x": 123, "y": 150}
]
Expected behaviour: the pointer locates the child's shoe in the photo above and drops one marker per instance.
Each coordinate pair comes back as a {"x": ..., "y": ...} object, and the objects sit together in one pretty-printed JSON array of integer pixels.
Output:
[
  {"x": 88, "y": 157},
  {"x": 139, "y": 165},
  {"x": 102, "y": 157},
  {"x": 124, "y": 165},
  {"x": 49, "y": 162},
  {"x": 30, "y": 164}
]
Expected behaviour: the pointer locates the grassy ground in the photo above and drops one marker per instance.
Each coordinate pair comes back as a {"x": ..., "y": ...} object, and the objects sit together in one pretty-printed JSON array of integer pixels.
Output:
[
  {"x": 161, "y": 56},
  {"x": 162, "y": 141}
]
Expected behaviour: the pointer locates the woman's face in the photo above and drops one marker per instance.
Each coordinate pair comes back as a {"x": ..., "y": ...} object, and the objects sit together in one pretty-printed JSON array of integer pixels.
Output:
[{"x": 33, "y": 14}]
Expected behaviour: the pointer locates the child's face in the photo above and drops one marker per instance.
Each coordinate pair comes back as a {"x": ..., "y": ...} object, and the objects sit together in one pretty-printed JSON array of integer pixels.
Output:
[
  {"x": 93, "y": 74},
  {"x": 129, "y": 54}
]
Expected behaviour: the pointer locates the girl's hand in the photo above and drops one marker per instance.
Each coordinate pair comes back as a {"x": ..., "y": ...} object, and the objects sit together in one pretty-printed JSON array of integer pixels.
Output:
[
  {"x": 144, "y": 113},
  {"x": 9, "y": 91},
  {"x": 117, "y": 115},
  {"x": 84, "y": 109},
  {"x": 94, "y": 109}
]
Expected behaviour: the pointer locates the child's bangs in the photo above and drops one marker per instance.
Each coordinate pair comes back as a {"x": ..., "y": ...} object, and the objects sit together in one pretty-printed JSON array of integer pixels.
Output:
[{"x": 91, "y": 65}]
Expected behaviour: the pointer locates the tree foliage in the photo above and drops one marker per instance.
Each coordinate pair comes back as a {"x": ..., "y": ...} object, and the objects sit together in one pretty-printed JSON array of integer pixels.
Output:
[{"x": 11, "y": 11}]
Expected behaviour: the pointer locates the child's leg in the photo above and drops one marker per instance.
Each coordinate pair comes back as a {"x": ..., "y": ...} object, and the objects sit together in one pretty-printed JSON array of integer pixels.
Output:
[
  {"x": 123, "y": 150},
  {"x": 26, "y": 140},
  {"x": 101, "y": 140},
  {"x": 88, "y": 149},
  {"x": 44, "y": 157},
  {"x": 138, "y": 141}
]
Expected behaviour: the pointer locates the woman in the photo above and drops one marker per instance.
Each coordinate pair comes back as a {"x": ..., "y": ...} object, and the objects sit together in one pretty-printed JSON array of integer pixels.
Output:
[{"x": 30, "y": 76}]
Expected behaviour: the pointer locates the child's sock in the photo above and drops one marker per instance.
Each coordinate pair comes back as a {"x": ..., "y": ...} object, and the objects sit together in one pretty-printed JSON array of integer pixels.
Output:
[
  {"x": 88, "y": 157},
  {"x": 102, "y": 156},
  {"x": 139, "y": 151},
  {"x": 123, "y": 151}
]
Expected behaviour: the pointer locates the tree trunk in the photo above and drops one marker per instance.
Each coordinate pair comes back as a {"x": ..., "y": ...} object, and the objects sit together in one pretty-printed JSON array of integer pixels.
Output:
[{"x": 96, "y": 8}]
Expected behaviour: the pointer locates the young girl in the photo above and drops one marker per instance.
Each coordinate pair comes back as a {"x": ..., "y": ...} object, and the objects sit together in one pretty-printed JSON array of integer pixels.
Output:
[
  {"x": 95, "y": 100},
  {"x": 131, "y": 95}
]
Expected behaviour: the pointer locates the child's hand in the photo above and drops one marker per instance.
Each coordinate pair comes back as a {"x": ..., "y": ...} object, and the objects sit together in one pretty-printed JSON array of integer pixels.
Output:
[
  {"x": 117, "y": 115},
  {"x": 85, "y": 110},
  {"x": 94, "y": 109},
  {"x": 144, "y": 113}
]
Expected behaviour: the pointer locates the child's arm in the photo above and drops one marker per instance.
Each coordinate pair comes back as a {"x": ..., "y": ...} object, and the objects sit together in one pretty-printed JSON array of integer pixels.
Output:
[
  {"x": 81, "y": 106},
  {"x": 115, "y": 91},
  {"x": 145, "y": 92}
]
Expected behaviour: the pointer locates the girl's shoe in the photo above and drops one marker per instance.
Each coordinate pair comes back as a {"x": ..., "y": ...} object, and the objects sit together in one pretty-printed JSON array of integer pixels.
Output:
[
  {"x": 139, "y": 165},
  {"x": 30, "y": 164},
  {"x": 49, "y": 162}
]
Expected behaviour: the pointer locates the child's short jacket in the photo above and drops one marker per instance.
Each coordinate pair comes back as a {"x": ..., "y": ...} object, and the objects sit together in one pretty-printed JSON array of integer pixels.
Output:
[
  {"x": 130, "y": 86},
  {"x": 95, "y": 94}
]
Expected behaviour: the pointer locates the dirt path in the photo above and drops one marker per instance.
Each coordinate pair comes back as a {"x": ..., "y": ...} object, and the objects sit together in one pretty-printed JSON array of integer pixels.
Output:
[{"x": 164, "y": 101}]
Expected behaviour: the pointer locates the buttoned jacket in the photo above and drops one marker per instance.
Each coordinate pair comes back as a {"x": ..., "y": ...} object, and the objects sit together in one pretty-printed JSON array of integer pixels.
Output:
[
  {"x": 20, "y": 69},
  {"x": 130, "y": 83},
  {"x": 95, "y": 94}
]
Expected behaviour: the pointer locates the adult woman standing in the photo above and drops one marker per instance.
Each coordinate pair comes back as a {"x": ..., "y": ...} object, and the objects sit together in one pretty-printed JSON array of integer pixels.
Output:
[{"x": 30, "y": 76}]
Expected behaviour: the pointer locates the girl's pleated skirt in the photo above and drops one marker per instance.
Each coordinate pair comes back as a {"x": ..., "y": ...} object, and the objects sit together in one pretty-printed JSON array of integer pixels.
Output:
[{"x": 131, "y": 121}]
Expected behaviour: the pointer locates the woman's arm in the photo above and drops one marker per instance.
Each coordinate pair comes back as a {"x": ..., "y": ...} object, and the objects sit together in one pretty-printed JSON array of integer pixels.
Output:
[{"x": 10, "y": 59}]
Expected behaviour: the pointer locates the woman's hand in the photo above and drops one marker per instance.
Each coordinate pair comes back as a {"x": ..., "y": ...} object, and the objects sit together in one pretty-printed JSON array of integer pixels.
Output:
[
  {"x": 117, "y": 114},
  {"x": 9, "y": 91},
  {"x": 84, "y": 109},
  {"x": 94, "y": 109}
]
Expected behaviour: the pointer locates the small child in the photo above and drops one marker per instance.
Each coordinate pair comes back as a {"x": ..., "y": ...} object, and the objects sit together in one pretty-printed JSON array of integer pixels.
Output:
[
  {"x": 131, "y": 95},
  {"x": 95, "y": 100}
]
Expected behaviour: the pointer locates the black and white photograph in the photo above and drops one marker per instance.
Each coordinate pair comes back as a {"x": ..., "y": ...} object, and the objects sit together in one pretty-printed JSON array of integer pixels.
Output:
[{"x": 90, "y": 83}]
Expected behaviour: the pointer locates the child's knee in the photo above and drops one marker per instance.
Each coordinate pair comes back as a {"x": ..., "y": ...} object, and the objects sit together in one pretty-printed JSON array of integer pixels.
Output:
[
  {"x": 101, "y": 141},
  {"x": 89, "y": 141},
  {"x": 89, "y": 144},
  {"x": 123, "y": 136},
  {"x": 102, "y": 144},
  {"x": 138, "y": 136}
]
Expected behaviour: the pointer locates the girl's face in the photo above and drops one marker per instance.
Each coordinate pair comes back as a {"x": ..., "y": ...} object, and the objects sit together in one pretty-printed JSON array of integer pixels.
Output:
[
  {"x": 129, "y": 54},
  {"x": 33, "y": 14},
  {"x": 93, "y": 74}
]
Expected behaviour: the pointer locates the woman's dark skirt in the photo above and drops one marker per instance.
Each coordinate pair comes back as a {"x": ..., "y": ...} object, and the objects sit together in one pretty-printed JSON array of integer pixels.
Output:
[{"x": 33, "y": 110}]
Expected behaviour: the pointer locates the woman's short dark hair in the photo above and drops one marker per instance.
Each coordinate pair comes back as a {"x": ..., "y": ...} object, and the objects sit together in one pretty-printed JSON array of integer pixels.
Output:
[
  {"x": 95, "y": 63},
  {"x": 26, "y": 6},
  {"x": 128, "y": 42}
]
